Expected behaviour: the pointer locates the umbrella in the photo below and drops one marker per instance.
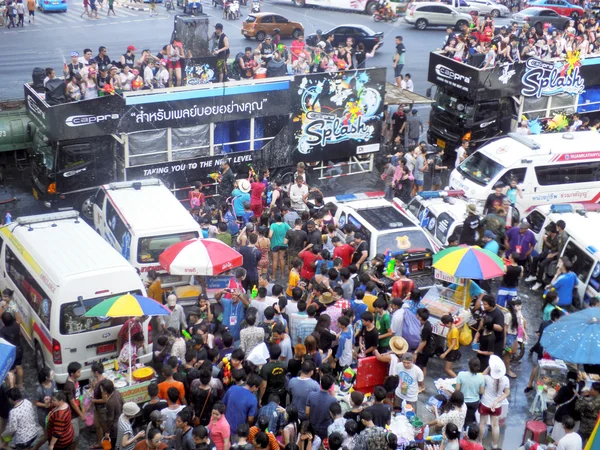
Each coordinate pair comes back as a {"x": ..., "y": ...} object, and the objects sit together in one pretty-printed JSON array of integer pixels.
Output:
[
  {"x": 574, "y": 338},
  {"x": 7, "y": 357},
  {"x": 471, "y": 262},
  {"x": 128, "y": 305},
  {"x": 199, "y": 257}
]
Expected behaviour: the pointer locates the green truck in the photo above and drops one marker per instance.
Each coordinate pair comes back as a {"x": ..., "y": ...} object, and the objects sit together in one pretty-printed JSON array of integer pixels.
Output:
[{"x": 16, "y": 132}]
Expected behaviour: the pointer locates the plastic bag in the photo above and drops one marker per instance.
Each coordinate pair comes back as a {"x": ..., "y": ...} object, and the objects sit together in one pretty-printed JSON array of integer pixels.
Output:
[
  {"x": 466, "y": 337},
  {"x": 259, "y": 355},
  {"x": 411, "y": 329}
]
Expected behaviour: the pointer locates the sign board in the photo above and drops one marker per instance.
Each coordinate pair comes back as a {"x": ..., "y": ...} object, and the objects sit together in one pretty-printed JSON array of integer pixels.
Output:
[
  {"x": 337, "y": 115},
  {"x": 137, "y": 393},
  {"x": 439, "y": 275},
  {"x": 547, "y": 78}
]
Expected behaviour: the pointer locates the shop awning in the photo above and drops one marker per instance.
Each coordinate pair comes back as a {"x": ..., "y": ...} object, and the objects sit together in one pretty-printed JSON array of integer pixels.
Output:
[{"x": 396, "y": 96}]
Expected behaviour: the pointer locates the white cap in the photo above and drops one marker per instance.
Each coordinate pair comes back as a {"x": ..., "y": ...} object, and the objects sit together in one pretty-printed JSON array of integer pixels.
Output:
[{"x": 172, "y": 300}]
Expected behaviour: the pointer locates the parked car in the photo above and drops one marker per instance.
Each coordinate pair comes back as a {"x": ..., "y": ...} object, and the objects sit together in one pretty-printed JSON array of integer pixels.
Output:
[
  {"x": 490, "y": 7},
  {"x": 537, "y": 17},
  {"x": 562, "y": 7},
  {"x": 52, "y": 5},
  {"x": 258, "y": 25},
  {"x": 360, "y": 33},
  {"x": 435, "y": 14}
]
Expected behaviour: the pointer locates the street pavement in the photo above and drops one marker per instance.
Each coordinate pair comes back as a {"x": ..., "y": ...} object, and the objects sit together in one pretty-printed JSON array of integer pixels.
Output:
[{"x": 50, "y": 40}]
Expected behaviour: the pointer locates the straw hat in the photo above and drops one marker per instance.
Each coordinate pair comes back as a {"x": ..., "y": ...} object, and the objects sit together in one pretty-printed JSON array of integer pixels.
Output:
[
  {"x": 398, "y": 345},
  {"x": 326, "y": 298},
  {"x": 244, "y": 186}
]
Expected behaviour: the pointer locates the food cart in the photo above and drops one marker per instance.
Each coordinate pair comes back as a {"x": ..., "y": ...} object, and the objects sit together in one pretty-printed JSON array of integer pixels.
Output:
[{"x": 141, "y": 377}]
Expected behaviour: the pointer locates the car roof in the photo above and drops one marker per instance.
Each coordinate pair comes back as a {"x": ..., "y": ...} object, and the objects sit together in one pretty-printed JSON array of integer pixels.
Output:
[
  {"x": 380, "y": 214},
  {"x": 52, "y": 241},
  {"x": 454, "y": 206},
  {"x": 263, "y": 14},
  {"x": 138, "y": 206},
  {"x": 353, "y": 25},
  {"x": 534, "y": 9},
  {"x": 420, "y": 4},
  {"x": 513, "y": 148}
]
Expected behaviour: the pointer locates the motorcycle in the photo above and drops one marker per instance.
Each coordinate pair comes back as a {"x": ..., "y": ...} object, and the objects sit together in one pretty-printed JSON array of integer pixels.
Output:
[
  {"x": 233, "y": 10},
  {"x": 386, "y": 17},
  {"x": 255, "y": 6}
]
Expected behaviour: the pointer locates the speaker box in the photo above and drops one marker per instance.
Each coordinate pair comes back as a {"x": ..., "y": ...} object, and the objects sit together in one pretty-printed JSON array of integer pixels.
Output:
[
  {"x": 37, "y": 77},
  {"x": 192, "y": 31},
  {"x": 55, "y": 92}
]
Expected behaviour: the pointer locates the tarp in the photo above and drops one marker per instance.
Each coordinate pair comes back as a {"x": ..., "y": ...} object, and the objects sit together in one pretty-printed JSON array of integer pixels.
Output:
[{"x": 397, "y": 96}]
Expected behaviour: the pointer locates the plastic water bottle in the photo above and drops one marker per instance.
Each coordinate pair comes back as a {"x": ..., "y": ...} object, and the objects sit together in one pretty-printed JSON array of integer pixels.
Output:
[
  {"x": 404, "y": 407},
  {"x": 7, "y": 218},
  {"x": 254, "y": 292}
]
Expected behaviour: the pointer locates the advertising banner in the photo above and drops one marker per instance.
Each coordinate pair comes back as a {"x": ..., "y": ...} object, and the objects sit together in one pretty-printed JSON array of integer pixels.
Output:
[{"x": 338, "y": 114}]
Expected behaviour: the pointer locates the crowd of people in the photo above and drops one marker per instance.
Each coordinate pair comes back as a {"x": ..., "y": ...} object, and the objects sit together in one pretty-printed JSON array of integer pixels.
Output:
[{"x": 482, "y": 46}]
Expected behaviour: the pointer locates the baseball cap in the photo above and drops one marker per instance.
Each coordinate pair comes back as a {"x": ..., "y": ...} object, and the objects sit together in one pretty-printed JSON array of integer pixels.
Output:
[
  {"x": 488, "y": 234},
  {"x": 74, "y": 53},
  {"x": 131, "y": 48},
  {"x": 172, "y": 300},
  {"x": 219, "y": 26}
]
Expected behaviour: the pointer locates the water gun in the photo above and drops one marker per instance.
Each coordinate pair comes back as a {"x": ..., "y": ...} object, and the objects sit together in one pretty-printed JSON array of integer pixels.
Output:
[
  {"x": 186, "y": 335},
  {"x": 390, "y": 264},
  {"x": 254, "y": 292},
  {"x": 435, "y": 437},
  {"x": 214, "y": 176},
  {"x": 252, "y": 171},
  {"x": 226, "y": 368}
]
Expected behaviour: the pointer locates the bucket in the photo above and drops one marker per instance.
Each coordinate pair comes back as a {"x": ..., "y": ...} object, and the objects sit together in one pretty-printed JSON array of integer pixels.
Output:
[
  {"x": 260, "y": 73},
  {"x": 419, "y": 428},
  {"x": 106, "y": 443},
  {"x": 410, "y": 415},
  {"x": 89, "y": 419}
]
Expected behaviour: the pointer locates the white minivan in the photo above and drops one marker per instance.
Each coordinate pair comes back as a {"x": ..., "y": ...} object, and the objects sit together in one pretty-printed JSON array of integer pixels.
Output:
[
  {"x": 549, "y": 168},
  {"x": 141, "y": 219},
  {"x": 59, "y": 268},
  {"x": 583, "y": 245}
]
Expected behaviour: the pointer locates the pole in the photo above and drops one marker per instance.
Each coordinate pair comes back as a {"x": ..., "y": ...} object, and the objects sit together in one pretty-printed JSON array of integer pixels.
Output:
[{"x": 129, "y": 351}]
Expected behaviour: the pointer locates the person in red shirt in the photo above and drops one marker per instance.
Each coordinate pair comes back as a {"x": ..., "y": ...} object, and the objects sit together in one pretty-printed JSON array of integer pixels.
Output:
[
  {"x": 309, "y": 256},
  {"x": 136, "y": 327},
  {"x": 403, "y": 286},
  {"x": 297, "y": 47},
  {"x": 342, "y": 250},
  {"x": 257, "y": 188}
]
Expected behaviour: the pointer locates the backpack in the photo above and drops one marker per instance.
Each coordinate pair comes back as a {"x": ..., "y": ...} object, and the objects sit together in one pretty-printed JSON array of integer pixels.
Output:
[{"x": 411, "y": 329}]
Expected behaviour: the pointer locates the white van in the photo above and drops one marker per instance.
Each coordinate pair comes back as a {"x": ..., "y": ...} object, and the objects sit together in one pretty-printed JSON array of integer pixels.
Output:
[
  {"x": 583, "y": 246},
  {"x": 549, "y": 168},
  {"x": 141, "y": 219},
  {"x": 59, "y": 268}
]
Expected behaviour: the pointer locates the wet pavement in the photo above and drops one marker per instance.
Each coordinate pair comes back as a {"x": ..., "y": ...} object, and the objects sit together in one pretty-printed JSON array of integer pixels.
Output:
[{"x": 17, "y": 185}]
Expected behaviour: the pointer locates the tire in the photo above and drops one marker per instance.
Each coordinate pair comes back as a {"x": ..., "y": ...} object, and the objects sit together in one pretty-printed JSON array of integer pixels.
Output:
[
  {"x": 40, "y": 362},
  {"x": 297, "y": 32},
  {"x": 376, "y": 18},
  {"x": 87, "y": 209},
  {"x": 574, "y": 15},
  {"x": 394, "y": 18},
  {"x": 421, "y": 24},
  {"x": 495, "y": 13},
  {"x": 460, "y": 24},
  {"x": 260, "y": 36},
  {"x": 371, "y": 8},
  {"x": 299, "y": 3}
]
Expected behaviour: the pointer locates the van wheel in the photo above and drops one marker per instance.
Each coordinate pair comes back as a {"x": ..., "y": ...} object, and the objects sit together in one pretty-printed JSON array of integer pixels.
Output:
[
  {"x": 460, "y": 24},
  {"x": 495, "y": 13},
  {"x": 87, "y": 209},
  {"x": 371, "y": 8},
  {"x": 40, "y": 363},
  {"x": 421, "y": 24},
  {"x": 260, "y": 36},
  {"x": 299, "y": 3}
]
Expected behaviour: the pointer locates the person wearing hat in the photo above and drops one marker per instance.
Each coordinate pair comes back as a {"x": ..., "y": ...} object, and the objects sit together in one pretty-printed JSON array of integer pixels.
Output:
[
  {"x": 520, "y": 240},
  {"x": 114, "y": 79},
  {"x": 240, "y": 194},
  {"x": 411, "y": 382},
  {"x": 194, "y": 321},
  {"x": 125, "y": 437},
  {"x": 176, "y": 319},
  {"x": 468, "y": 235},
  {"x": 490, "y": 242},
  {"x": 74, "y": 67},
  {"x": 398, "y": 347},
  {"x": 128, "y": 58},
  {"x": 496, "y": 390},
  {"x": 549, "y": 254}
]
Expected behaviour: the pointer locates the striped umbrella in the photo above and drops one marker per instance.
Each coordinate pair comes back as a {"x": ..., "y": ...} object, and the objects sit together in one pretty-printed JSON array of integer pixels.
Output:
[
  {"x": 471, "y": 262},
  {"x": 199, "y": 257}
]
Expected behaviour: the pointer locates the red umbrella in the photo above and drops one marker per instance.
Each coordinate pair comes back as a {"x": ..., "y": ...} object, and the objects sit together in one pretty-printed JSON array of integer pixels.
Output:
[{"x": 199, "y": 257}]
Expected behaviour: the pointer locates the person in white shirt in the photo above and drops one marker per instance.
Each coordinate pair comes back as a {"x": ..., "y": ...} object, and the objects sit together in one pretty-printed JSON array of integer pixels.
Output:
[
  {"x": 571, "y": 440},
  {"x": 576, "y": 123},
  {"x": 162, "y": 75},
  {"x": 149, "y": 75},
  {"x": 407, "y": 83},
  {"x": 461, "y": 153},
  {"x": 397, "y": 316},
  {"x": 299, "y": 195}
]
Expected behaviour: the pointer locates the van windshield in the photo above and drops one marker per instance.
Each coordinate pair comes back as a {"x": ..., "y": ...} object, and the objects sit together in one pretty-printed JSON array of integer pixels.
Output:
[
  {"x": 480, "y": 168},
  {"x": 74, "y": 321},
  {"x": 150, "y": 248},
  {"x": 459, "y": 107}
]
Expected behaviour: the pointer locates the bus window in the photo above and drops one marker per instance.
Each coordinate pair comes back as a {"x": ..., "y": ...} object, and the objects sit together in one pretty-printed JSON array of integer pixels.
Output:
[
  {"x": 33, "y": 293},
  {"x": 116, "y": 225},
  {"x": 536, "y": 220}
]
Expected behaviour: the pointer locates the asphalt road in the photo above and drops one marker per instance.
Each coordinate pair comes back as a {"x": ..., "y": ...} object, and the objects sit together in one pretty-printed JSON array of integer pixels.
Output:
[{"x": 49, "y": 41}]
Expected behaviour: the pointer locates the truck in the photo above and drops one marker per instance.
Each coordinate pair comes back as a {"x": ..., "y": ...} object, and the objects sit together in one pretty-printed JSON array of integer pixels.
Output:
[
  {"x": 481, "y": 104},
  {"x": 14, "y": 126}
]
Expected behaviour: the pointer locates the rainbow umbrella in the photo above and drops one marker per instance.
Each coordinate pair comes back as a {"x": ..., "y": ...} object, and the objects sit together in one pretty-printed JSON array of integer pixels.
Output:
[
  {"x": 471, "y": 262},
  {"x": 128, "y": 305}
]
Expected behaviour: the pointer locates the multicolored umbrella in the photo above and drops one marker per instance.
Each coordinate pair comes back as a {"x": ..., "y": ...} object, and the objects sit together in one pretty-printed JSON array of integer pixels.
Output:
[
  {"x": 471, "y": 262},
  {"x": 128, "y": 305},
  {"x": 199, "y": 257},
  {"x": 574, "y": 338}
]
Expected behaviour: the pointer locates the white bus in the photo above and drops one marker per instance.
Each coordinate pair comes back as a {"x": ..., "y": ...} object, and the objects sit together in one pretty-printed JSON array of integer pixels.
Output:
[
  {"x": 59, "y": 268},
  {"x": 363, "y": 6}
]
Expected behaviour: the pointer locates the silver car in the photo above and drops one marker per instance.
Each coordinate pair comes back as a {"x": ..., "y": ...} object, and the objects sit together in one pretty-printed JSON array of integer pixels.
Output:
[
  {"x": 430, "y": 14},
  {"x": 490, "y": 7}
]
